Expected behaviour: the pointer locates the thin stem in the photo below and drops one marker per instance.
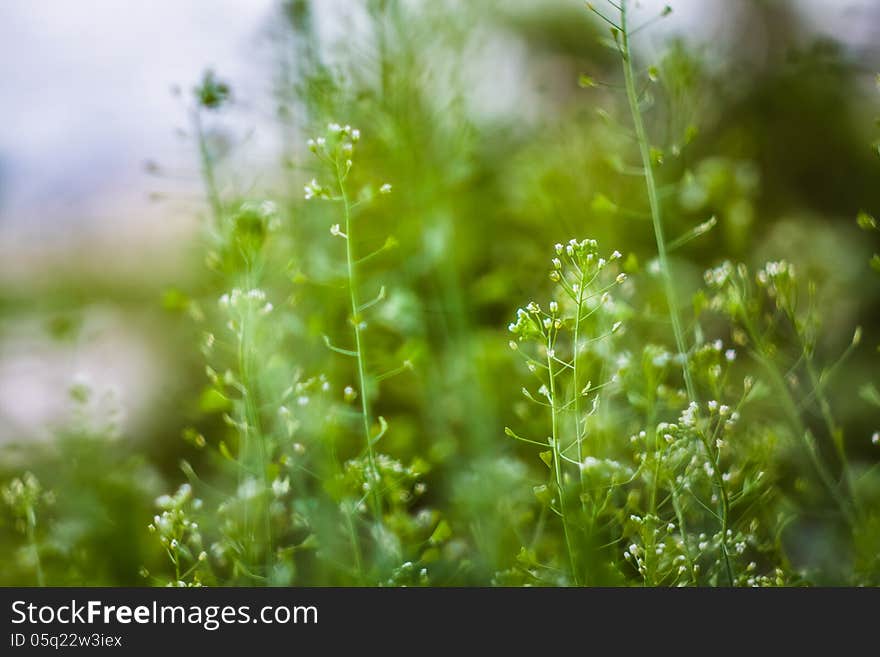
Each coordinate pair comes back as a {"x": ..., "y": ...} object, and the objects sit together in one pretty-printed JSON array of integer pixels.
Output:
[
  {"x": 557, "y": 463},
  {"x": 577, "y": 390},
  {"x": 32, "y": 543},
  {"x": 251, "y": 433},
  {"x": 831, "y": 425},
  {"x": 654, "y": 202},
  {"x": 350, "y": 258},
  {"x": 355, "y": 546},
  {"x": 791, "y": 408},
  {"x": 663, "y": 257},
  {"x": 207, "y": 167}
]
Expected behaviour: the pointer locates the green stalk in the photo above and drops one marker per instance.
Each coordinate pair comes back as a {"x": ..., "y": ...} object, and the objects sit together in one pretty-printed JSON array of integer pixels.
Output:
[
  {"x": 831, "y": 425},
  {"x": 663, "y": 256},
  {"x": 366, "y": 415},
  {"x": 245, "y": 350},
  {"x": 32, "y": 542},
  {"x": 251, "y": 432},
  {"x": 207, "y": 169},
  {"x": 557, "y": 463},
  {"x": 791, "y": 410},
  {"x": 577, "y": 389}
]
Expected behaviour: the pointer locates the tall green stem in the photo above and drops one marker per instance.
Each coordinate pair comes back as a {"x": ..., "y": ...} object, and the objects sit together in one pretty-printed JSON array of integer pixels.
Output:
[
  {"x": 665, "y": 271},
  {"x": 557, "y": 462},
  {"x": 32, "y": 542},
  {"x": 207, "y": 168},
  {"x": 366, "y": 415}
]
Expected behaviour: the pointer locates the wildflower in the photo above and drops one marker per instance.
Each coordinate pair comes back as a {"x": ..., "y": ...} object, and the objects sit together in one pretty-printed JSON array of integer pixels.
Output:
[
  {"x": 385, "y": 189},
  {"x": 349, "y": 394},
  {"x": 688, "y": 416},
  {"x": 280, "y": 487},
  {"x": 313, "y": 189}
]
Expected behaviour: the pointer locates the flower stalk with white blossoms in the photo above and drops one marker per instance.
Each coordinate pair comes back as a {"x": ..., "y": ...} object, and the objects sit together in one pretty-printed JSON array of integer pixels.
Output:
[
  {"x": 336, "y": 150},
  {"x": 740, "y": 298},
  {"x": 562, "y": 339},
  {"x": 622, "y": 35}
]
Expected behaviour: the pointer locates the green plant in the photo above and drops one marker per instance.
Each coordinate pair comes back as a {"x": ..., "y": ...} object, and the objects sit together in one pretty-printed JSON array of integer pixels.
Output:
[{"x": 24, "y": 497}]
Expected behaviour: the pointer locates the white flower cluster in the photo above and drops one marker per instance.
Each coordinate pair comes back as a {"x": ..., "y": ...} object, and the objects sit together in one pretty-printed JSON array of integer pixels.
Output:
[
  {"x": 719, "y": 276},
  {"x": 239, "y": 299}
]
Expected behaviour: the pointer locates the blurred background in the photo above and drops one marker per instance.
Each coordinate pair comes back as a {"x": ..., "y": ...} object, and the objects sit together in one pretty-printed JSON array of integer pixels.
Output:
[{"x": 472, "y": 110}]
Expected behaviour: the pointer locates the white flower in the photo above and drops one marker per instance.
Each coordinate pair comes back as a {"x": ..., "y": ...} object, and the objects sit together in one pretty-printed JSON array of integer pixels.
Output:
[
  {"x": 281, "y": 487},
  {"x": 385, "y": 189}
]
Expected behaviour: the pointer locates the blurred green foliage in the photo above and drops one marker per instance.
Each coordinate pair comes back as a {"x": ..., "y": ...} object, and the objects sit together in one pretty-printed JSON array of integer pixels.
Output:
[{"x": 779, "y": 154}]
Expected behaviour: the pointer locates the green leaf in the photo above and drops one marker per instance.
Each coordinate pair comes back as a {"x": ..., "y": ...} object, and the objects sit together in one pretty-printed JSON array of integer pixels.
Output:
[
  {"x": 657, "y": 156},
  {"x": 224, "y": 451},
  {"x": 601, "y": 204},
  {"x": 586, "y": 82},
  {"x": 212, "y": 401},
  {"x": 866, "y": 221},
  {"x": 875, "y": 262},
  {"x": 543, "y": 494},
  {"x": 527, "y": 557},
  {"x": 869, "y": 393},
  {"x": 547, "y": 457},
  {"x": 442, "y": 533},
  {"x": 174, "y": 300}
]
